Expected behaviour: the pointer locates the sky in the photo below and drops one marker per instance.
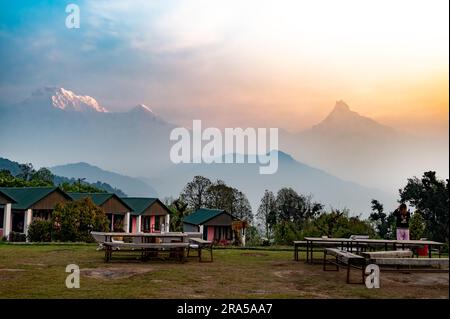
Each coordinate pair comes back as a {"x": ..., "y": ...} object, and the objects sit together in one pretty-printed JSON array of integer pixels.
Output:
[{"x": 252, "y": 63}]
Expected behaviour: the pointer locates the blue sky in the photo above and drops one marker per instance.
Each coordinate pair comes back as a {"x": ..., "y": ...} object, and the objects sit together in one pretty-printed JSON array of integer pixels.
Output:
[
  {"x": 37, "y": 49},
  {"x": 236, "y": 63}
]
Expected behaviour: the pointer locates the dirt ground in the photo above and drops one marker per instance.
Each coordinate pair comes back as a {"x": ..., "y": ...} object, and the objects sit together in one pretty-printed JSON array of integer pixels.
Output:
[{"x": 38, "y": 271}]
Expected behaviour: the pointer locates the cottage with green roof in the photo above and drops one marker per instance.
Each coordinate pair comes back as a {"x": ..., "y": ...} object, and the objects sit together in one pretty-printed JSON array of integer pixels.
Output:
[
  {"x": 27, "y": 203},
  {"x": 5, "y": 213},
  {"x": 19, "y": 205},
  {"x": 149, "y": 215},
  {"x": 117, "y": 211},
  {"x": 214, "y": 224}
]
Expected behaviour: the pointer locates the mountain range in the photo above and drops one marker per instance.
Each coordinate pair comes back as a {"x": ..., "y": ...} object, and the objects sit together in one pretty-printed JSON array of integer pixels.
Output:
[
  {"x": 358, "y": 148},
  {"x": 322, "y": 186},
  {"x": 15, "y": 169},
  {"x": 55, "y": 126},
  {"x": 129, "y": 185}
]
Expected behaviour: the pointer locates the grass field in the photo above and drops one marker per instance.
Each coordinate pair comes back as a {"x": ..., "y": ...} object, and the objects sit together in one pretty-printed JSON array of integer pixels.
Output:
[{"x": 38, "y": 271}]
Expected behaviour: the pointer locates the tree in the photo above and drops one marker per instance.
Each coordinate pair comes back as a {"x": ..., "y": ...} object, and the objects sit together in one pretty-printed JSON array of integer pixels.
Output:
[
  {"x": 179, "y": 210},
  {"x": 292, "y": 212},
  {"x": 416, "y": 225},
  {"x": 294, "y": 207},
  {"x": 43, "y": 175},
  {"x": 241, "y": 207},
  {"x": 328, "y": 223},
  {"x": 338, "y": 223},
  {"x": 267, "y": 212},
  {"x": 252, "y": 237},
  {"x": 74, "y": 220},
  {"x": 9, "y": 180},
  {"x": 80, "y": 188},
  {"x": 221, "y": 196},
  {"x": 384, "y": 224},
  {"x": 285, "y": 232},
  {"x": 430, "y": 196},
  {"x": 194, "y": 193},
  {"x": 26, "y": 171}
]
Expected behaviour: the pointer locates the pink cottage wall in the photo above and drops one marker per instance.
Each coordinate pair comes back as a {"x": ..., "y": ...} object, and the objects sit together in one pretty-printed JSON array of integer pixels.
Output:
[
  {"x": 210, "y": 235},
  {"x": 133, "y": 224},
  {"x": 152, "y": 224}
]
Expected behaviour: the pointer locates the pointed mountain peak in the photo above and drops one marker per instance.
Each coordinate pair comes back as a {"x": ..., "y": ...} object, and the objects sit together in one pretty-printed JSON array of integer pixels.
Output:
[
  {"x": 342, "y": 120},
  {"x": 341, "y": 106},
  {"x": 341, "y": 111},
  {"x": 142, "y": 112},
  {"x": 282, "y": 156},
  {"x": 63, "y": 99},
  {"x": 142, "y": 108}
]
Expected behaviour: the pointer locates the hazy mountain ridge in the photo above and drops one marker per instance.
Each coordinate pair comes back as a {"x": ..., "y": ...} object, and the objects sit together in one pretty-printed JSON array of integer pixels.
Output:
[
  {"x": 130, "y": 142},
  {"x": 14, "y": 169},
  {"x": 305, "y": 179},
  {"x": 131, "y": 186},
  {"x": 355, "y": 147},
  {"x": 346, "y": 145}
]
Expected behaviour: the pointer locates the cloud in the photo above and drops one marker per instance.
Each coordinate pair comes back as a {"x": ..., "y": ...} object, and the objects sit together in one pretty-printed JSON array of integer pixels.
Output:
[{"x": 241, "y": 60}]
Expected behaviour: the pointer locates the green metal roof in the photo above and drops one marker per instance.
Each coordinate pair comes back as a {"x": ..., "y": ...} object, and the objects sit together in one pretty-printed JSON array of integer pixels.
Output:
[
  {"x": 97, "y": 198},
  {"x": 202, "y": 215},
  {"x": 139, "y": 204},
  {"x": 26, "y": 197},
  {"x": 8, "y": 198}
]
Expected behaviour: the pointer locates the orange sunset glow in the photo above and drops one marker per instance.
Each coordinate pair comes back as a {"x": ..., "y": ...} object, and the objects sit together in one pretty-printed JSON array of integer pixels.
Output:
[{"x": 287, "y": 63}]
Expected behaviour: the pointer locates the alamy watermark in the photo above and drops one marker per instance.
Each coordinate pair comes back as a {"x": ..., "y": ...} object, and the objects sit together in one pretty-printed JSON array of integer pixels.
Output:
[
  {"x": 73, "y": 279},
  {"x": 235, "y": 146},
  {"x": 73, "y": 17},
  {"x": 373, "y": 276}
]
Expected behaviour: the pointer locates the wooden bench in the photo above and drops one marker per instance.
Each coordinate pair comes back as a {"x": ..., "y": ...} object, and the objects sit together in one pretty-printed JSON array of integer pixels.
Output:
[
  {"x": 145, "y": 248},
  {"x": 303, "y": 243},
  {"x": 347, "y": 258},
  {"x": 200, "y": 244},
  {"x": 418, "y": 262},
  {"x": 387, "y": 254},
  {"x": 297, "y": 245}
]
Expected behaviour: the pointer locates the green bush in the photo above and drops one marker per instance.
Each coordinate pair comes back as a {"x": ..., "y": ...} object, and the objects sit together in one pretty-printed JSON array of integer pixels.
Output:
[
  {"x": 17, "y": 237},
  {"x": 333, "y": 224},
  {"x": 40, "y": 230},
  {"x": 286, "y": 232},
  {"x": 416, "y": 225},
  {"x": 252, "y": 236},
  {"x": 73, "y": 221}
]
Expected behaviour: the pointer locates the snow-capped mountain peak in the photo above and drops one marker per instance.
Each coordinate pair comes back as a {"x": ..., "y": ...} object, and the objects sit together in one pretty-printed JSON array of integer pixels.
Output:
[
  {"x": 67, "y": 100},
  {"x": 142, "y": 108}
]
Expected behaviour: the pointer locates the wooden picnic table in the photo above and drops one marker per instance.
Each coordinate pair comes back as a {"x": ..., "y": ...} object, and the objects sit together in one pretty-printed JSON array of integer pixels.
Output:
[
  {"x": 145, "y": 237},
  {"x": 145, "y": 248},
  {"x": 349, "y": 244},
  {"x": 200, "y": 244}
]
